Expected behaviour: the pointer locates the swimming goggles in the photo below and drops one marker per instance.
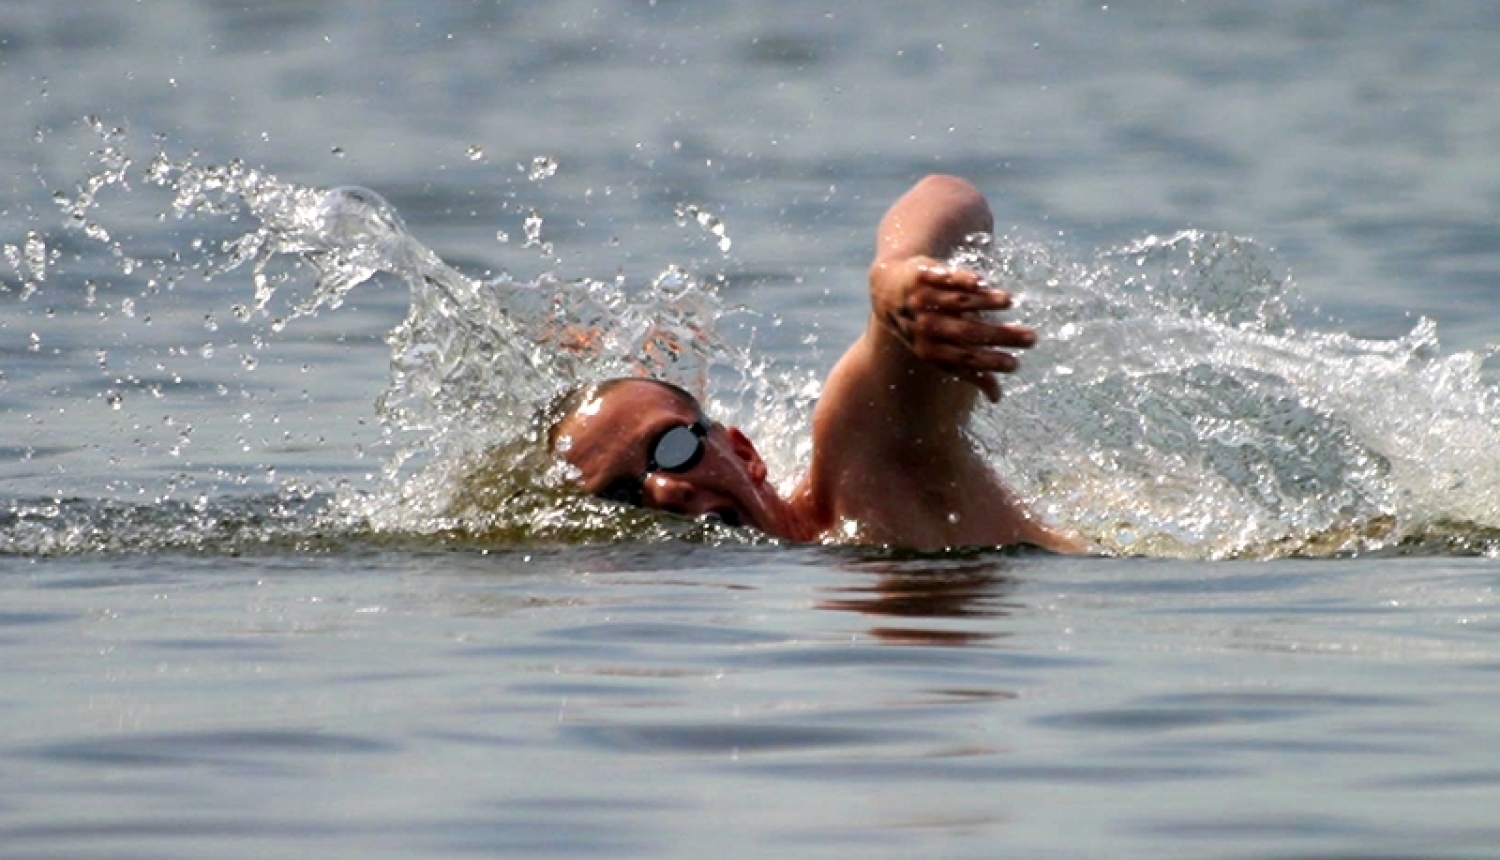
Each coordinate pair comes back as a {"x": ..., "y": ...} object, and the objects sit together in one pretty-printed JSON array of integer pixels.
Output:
[{"x": 676, "y": 449}]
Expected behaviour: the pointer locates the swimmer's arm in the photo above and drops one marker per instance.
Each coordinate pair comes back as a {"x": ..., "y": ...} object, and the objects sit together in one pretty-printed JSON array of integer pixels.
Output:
[
  {"x": 899, "y": 398},
  {"x": 925, "y": 331},
  {"x": 889, "y": 449}
]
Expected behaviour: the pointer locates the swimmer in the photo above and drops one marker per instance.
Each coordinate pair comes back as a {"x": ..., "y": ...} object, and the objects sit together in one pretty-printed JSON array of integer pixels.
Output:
[{"x": 891, "y": 464}]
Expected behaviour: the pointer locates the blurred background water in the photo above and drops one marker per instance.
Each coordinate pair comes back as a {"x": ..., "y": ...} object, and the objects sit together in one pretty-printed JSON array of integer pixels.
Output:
[{"x": 195, "y": 666}]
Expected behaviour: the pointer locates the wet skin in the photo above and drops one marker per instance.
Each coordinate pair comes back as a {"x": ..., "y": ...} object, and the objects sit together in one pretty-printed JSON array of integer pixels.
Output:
[
  {"x": 608, "y": 439},
  {"x": 891, "y": 463}
]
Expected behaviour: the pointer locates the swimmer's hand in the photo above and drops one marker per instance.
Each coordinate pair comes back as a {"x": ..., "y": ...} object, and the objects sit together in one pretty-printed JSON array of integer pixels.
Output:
[{"x": 936, "y": 311}]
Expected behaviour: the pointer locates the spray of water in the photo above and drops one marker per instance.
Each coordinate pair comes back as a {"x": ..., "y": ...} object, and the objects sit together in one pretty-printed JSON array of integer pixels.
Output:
[
  {"x": 474, "y": 361},
  {"x": 1172, "y": 408}
]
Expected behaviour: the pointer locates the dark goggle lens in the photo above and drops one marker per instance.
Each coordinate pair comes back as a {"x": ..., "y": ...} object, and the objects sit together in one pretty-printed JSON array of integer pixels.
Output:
[{"x": 678, "y": 450}]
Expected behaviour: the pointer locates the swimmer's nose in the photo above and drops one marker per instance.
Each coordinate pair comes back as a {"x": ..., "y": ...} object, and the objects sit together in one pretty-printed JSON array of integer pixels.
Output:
[{"x": 670, "y": 493}]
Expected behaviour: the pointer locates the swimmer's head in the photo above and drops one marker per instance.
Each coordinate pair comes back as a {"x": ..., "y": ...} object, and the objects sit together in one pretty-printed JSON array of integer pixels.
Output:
[
  {"x": 648, "y": 443},
  {"x": 588, "y": 399}
]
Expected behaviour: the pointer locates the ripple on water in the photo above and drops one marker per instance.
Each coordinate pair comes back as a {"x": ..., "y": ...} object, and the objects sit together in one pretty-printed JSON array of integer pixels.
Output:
[
  {"x": 1188, "y": 711},
  {"x": 251, "y": 751},
  {"x": 731, "y": 738}
]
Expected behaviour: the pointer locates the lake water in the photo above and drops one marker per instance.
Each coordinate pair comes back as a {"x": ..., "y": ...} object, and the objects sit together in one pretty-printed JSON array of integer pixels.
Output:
[{"x": 255, "y": 603}]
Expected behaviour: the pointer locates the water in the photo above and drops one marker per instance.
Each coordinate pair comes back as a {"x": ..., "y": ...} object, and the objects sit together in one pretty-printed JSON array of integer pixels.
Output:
[{"x": 282, "y": 285}]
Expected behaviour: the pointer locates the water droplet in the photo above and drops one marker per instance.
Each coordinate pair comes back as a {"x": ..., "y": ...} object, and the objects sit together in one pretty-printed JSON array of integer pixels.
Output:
[
  {"x": 36, "y": 256},
  {"x": 159, "y": 170},
  {"x": 542, "y": 167},
  {"x": 708, "y": 221},
  {"x": 533, "y": 228}
]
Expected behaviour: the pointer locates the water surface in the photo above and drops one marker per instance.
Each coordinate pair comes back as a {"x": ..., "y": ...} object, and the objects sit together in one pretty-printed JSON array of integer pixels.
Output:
[{"x": 243, "y": 616}]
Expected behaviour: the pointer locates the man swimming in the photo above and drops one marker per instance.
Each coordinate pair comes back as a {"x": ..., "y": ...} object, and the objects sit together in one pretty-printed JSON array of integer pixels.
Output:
[{"x": 890, "y": 463}]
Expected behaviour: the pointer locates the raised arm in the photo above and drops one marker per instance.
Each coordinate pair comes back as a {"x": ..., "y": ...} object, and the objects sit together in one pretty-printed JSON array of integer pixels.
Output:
[
  {"x": 926, "y": 343},
  {"x": 891, "y": 461}
]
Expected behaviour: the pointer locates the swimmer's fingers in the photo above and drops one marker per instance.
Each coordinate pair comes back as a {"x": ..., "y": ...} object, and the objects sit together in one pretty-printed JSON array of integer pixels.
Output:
[
  {"x": 967, "y": 331},
  {"x": 936, "y": 311},
  {"x": 951, "y": 357},
  {"x": 950, "y": 301},
  {"x": 954, "y": 292},
  {"x": 962, "y": 286},
  {"x": 921, "y": 284},
  {"x": 972, "y": 350},
  {"x": 963, "y": 343},
  {"x": 963, "y": 346}
]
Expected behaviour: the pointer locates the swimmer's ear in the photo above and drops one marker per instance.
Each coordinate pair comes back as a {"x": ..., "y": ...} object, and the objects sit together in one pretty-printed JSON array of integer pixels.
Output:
[{"x": 744, "y": 449}]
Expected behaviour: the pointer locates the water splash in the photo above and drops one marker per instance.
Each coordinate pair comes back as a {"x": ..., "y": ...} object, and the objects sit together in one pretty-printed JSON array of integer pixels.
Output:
[
  {"x": 1174, "y": 409},
  {"x": 711, "y": 223},
  {"x": 474, "y": 360},
  {"x": 542, "y": 167}
]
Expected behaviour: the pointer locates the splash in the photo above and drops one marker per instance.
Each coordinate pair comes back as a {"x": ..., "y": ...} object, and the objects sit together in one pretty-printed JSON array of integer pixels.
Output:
[
  {"x": 474, "y": 360},
  {"x": 1174, "y": 409},
  {"x": 1175, "y": 406},
  {"x": 470, "y": 365}
]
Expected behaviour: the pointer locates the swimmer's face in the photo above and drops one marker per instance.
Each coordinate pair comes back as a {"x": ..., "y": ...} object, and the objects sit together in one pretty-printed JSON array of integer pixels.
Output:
[{"x": 644, "y": 444}]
